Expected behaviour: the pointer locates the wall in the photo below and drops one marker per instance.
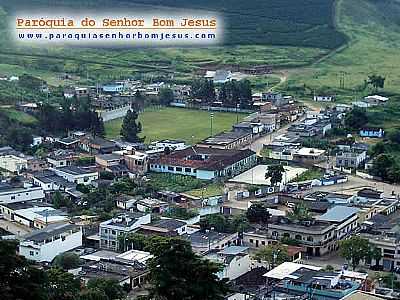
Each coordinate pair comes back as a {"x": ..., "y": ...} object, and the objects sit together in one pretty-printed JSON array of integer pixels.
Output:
[
  {"x": 109, "y": 115},
  {"x": 49, "y": 251},
  {"x": 13, "y": 163},
  {"x": 238, "y": 266},
  {"x": 204, "y": 174},
  {"x": 22, "y": 195},
  {"x": 78, "y": 179}
]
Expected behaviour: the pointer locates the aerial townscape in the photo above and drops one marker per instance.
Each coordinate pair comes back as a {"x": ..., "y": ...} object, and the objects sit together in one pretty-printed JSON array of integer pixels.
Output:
[{"x": 267, "y": 168}]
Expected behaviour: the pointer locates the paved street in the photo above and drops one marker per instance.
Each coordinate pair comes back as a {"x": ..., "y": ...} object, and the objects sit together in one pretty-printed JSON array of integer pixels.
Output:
[{"x": 258, "y": 144}]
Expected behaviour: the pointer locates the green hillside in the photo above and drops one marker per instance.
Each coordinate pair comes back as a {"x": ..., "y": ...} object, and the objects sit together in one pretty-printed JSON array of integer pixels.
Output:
[
  {"x": 374, "y": 31},
  {"x": 255, "y": 39},
  {"x": 308, "y": 23}
]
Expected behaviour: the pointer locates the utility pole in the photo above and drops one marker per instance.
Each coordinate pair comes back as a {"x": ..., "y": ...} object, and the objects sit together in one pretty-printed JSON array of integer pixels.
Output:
[
  {"x": 211, "y": 123},
  {"x": 341, "y": 79},
  {"x": 237, "y": 113}
]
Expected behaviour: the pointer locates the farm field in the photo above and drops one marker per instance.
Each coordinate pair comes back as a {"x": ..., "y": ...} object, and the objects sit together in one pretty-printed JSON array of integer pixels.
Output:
[{"x": 177, "y": 123}]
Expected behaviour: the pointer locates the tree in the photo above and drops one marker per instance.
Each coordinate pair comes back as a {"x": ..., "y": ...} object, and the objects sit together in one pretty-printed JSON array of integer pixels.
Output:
[
  {"x": 19, "y": 137},
  {"x": 131, "y": 129},
  {"x": 110, "y": 287},
  {"x": 299, "y": 213},
  {"x": 329, "y": 268},
  {"x": 92, "y": 295},
  {"x": 176, "y": 272},
  {"x": 166, "y": 96},
  {"x": 354, "y": 250},
  {"x": 275, "y": 173},
  {"x": 222, "y": 223},
  {"x": 258, "y": 213},
  {"x": 381, "y": 164},
  {"x": 273, "y": 255},
  {"x": 376, "y": 254},
  {"x": 62, "y": 285},
  {"x": 203, "y": 89},
  {"x": 60, "y": 201},
  {"x": 67, "y": 261},
  {"x": 18, "y": 279},
  {"x": 132, "y": 241},
  {"x": 216, "y": 221},
  {"x": 394, "y": 136},
  {"x": 245, "y": 94},
  {"x": 356, "y": 118},
  {"x": 377, "y": 81}
]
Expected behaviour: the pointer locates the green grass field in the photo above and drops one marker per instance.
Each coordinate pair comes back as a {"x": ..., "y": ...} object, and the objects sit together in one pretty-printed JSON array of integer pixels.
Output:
[
  {"x": 211, "y": 190},
  {"x": 177, "y": 123}
]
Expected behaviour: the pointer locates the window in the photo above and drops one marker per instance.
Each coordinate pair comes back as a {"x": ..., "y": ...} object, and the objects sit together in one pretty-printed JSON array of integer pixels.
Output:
[
  {"x": 170, "y": 168},
  {"x": 251, "y": 241},
  {"x": 178, "y": 169},
  {"x": 113, "y": 232},
  {"x": 388, "y": 251},
  {"x": 31, "y": 253},
  {"x": 310, "y": 238},
  {"x": 188, "y": 170}
]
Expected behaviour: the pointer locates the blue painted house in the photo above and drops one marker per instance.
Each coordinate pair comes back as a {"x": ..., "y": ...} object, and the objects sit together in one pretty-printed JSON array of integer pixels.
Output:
[
  {"x": 113, "y": 88},
  {"x": 372, "y": 132},
  {"x": 311, "y": 281}
]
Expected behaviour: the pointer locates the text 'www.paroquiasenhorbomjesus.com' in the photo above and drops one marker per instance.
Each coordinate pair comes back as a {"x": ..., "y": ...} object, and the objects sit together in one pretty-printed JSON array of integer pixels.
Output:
[{"x": 126, "y": 31}]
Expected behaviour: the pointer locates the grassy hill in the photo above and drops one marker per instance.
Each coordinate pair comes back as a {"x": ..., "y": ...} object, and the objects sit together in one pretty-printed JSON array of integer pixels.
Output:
[
  {"x": 282, "y": 33},
  {"x": 373, "y": 28},
  {"x": 307, "y": 23}
]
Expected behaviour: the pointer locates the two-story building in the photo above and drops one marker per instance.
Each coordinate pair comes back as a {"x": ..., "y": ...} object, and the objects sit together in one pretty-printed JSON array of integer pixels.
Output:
[
  {"x": 350, "y": 159},
  {"x": 44, "y": 245},
  {"x": 345, "y": 218},
  {"x": 305, "y": 280},
  {"x": 119, "y": 226},
  {"x": 11, "y": 194},
  {"x": 317, "y": 237}
]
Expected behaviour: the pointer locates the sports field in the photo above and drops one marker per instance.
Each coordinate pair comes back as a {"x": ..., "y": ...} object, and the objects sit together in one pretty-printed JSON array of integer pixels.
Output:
[{"x": 177, "y": 123}]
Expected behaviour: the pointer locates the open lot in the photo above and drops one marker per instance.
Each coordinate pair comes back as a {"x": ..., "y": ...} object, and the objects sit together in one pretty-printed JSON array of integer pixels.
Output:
[
  {"x": 177, "y": 123},
  {"x": 256, "y": 175}
]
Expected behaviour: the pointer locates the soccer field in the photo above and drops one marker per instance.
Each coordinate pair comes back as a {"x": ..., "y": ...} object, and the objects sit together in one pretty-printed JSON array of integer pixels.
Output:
[{"x": 177, "y": 123}]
